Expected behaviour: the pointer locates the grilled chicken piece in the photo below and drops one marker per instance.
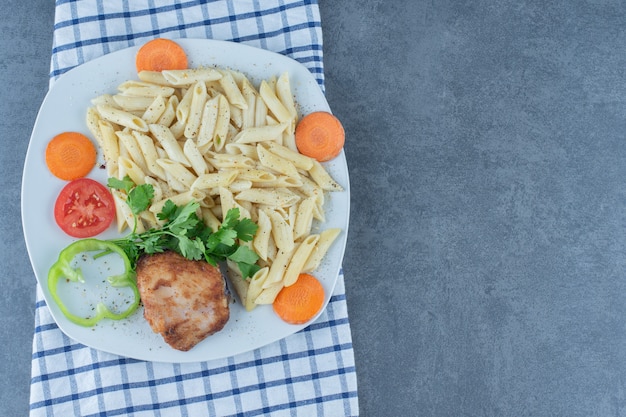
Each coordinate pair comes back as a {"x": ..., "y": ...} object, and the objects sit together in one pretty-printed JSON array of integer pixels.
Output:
[{"x": 185, "y": 301}]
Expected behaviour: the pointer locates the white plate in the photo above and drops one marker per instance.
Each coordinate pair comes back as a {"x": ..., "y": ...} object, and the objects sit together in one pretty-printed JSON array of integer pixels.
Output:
[{"x": 63, "y": 109}]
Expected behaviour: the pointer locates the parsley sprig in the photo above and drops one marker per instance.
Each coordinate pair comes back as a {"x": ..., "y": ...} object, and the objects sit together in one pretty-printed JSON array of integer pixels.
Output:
[{"x": 184, "y": 232}]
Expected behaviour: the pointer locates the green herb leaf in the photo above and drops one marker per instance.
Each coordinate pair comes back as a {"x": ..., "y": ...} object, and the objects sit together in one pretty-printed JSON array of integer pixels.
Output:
[
  {"x": 125, "y": 184},
  {"x": 139, "y": 198},
  {"x": 185, "y": 233}
]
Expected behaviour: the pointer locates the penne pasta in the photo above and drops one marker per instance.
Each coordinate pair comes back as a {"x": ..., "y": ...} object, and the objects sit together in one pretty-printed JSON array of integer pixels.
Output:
[
  {"x": 282, "y": 233},
  {"x": 109, "y": 143},
  {"x": 132, "y": 103},
  {"x": 297, "y": 159},
  {"x": 222, "y": 122},
  {"x": 255, "y": 288},
  {"x": 168, "y": 142},
  {"x": 129, "y": 167},
  {"x": 195, "y": 158},
  {"x": 213, "y": 180},
  {"x": 155, "y": 110},
  {"x": 144, "y": 89},
  {"x": 122, "y": 118},
  {"x": 263, "y": 234},
  {"x": 231, "y": 90},
  {"x": 153, "y": 77},
  {"x": 275, "y": 162},
  {"x": 304, "y": 218},
  {"x": 326, "y": 239},
  {"x": 284, "y": 94},
  {"x": 150, "y": 154},
  {"x": 190, "y": 76},
  {"x": 177, "y": 171},
  {"x": 323, "y": 179},
  {"x": 299, "y": 258},
  {"x": 196, "y": 107},
  {"x": 260, "y": 133},
  {"x": 128, "y": 141},
  {"x": 269, "y": 196},
  {"x": 273, "y": 103},
  {"x": 179, "y": 199}
]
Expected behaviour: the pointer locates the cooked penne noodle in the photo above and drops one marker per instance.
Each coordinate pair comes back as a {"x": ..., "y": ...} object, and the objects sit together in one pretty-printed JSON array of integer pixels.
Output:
[
  {"x": 109, "y": 143},
  {"x": 282, "y": 234},
  {"x": 155, "y": 110},
  {"x": 275, "y": 162},
  {"x": 260, "y": 133},
  {"x": 208, "y": 123},
  {"x": 196, "y": 108},
  {"x": 150, "y": 154},
  {"x": 326, "y": 239},
  {"x": 323, "y": 179},
  {"x": 304, "y": 218},
  {"x": 168, "y": 142},
  {"x": 123, "y": 214},
  {"x": 299, "y": 258},
  {"x": 195, "y": 158},
  {"x": 92, "y": 119},
  {"x": 255, "y": 288},
  {"x": 278, "y": 268},
  {"x": 122, "y": 118},
  {"x": 184, "y": 106},
  {"x": 132, "y": 103},
  {"x": 169, "y": 113},
  {"x": 250, "y": 95},
  {"x": 179, "y": 199},
  {"x": 106, "y": 99},
  {"x": 242, "y": 149},
  {"x": 284, "y": 94},
  {"x": 263, "y": 234},
  {"x": 218, "y": 179},
  {"x": 236, "y": 117},
  {"x": 268, "y": 295},
  {"x": 227, "y": 161},
  {"x": 239, "y": 186},
  {"x": 269, "y": 196},
  {"x": 297, "y": 159},
  {"x": 256, "y": 175},
  {"x": 210, "y": 219},
  {"x": 128, "y": 167},
  {"x": 177, "y": 171},
  {"x": 282, "y": 181},
  {"x": 260, "y": 112},
  {"x": 153, "y": 77},
  {"x": 227, "y": 202},
  {"x": 273, "y": 103},
  {"x": 144, "y": 89},
  {"x": 222, "y": 123},
  {"x": 190, "y": 76},
  {"x": 128, "y": 141},
  {"x": 231, "y": 90}
]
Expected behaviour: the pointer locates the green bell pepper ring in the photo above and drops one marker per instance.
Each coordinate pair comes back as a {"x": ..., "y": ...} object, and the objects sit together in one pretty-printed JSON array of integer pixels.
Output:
[{"x": 62, "y": 269}]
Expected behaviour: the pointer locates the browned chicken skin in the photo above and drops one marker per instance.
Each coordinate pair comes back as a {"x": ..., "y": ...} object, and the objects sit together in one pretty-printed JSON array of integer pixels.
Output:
[{"x": 185, "y": 301}]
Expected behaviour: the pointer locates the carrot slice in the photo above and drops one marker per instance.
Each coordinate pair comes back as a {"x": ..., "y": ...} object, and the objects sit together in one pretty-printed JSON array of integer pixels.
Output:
[
  {"x": 160, "y": 54},
  {"x": 301, "y": 301},
  {"x": 70, "y": 155},
  {"x": 320, "y": 135}
]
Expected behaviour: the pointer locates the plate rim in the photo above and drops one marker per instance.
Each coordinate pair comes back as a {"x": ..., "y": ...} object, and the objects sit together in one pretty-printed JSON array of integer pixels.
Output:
[{"x": 188, "y": 42}]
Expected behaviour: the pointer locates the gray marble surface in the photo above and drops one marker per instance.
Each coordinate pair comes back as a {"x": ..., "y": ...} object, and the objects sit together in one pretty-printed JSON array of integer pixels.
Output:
[{"x": 485, "y": 268}]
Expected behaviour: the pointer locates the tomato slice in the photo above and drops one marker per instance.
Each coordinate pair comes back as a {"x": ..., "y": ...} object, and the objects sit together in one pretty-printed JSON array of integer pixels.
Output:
[{"x": 84, "y": 208}]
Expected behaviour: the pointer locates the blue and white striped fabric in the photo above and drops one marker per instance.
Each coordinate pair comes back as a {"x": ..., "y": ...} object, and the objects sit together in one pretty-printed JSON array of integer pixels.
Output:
[{"x": 310, "y": 373}]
